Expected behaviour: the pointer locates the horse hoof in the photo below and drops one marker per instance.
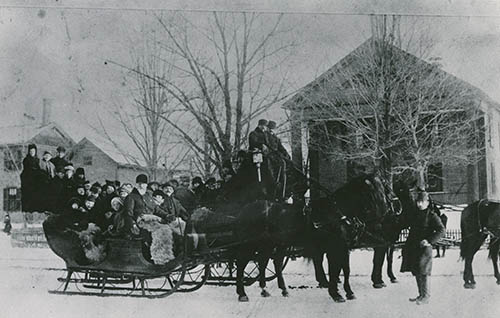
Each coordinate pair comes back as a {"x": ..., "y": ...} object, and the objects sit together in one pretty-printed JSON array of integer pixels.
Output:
[
  {"x": 469, "y": 286},
  {"x": 243, "y": 299},
  {"x": 323, "y": 285},
  {"x": 264, "y": 293},
  {"x": 351, "y": 296},
  {"x": 338, "y": 299},
  {"x": 379, "y": 285},
  {"x": 285, "y": 293},
  {"x": 394, "y": 280}
]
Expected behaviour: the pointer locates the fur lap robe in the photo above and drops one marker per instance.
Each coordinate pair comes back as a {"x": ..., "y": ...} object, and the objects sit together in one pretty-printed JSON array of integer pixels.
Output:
[
  {"x": 94, "y": 251},
  {"x": 162, "y": 245}
]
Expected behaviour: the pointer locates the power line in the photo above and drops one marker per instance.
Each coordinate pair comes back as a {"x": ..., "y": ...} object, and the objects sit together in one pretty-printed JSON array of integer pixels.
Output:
[{"x": 263, "y": 11}]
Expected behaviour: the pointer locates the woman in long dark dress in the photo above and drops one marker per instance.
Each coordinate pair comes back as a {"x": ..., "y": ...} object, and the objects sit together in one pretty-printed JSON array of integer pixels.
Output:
[{"x": 30, "y": 179}]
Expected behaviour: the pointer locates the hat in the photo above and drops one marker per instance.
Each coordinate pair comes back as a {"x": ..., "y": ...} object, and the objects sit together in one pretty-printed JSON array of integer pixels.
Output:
[
  {"x": 262, "y": 122},
  {"x": 80, "y": 185},
  {"x": 158, "y": 192},
  {"x": 46, "y": 153},
  {"x": 59, "y": 169},
  {"x": 31, "y": 146},
  {"x": 117, "y": 183},
  {"x": 61, "y": 149},
  {"x": 69, "y": 166},
  {"x": 422, "y": 196},
  {"x": 117, "y": 200},
  {"x": 166, "y": 184},
  {"x": 211, "y": 181},
  {"x": 90, "y": 198},
  {"x": 80, "y": 170},
  {"x": 197, "y": 180},
  {"x": 124, "y": 188},
  {"x": 271, "y": 124},
  {"x": 94, "y": 189},
  {"x": 142, "y": 178}
]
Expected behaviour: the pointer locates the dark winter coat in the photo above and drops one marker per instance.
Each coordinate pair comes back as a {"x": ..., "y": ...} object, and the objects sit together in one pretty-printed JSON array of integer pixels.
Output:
[
  {"x": 133, "y": 207},
  {"x": 257, "y": 139},
  {"x": 30, "y": 184},
  {"x": 186, "y": 197},
  {"x": 424, "y": 225},
  {"x": 172, "y": 207},
  {"x": 56, "y": 188},
  {"x": 59, "y": 162},
  {"x": 276, "y": 146},
  {"x": 69, "y": 189}
]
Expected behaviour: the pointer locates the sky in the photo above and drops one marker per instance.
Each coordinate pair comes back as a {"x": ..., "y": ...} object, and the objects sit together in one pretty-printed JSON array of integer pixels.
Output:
[{"x": 54, "y": 50}]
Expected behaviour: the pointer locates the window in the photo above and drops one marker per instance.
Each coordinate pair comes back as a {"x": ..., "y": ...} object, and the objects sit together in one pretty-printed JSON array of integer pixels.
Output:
[
  {"x": 12, "y": 159},
  {"x": 87, "y": 160},
  {"x": 435, "y": 177},
  {"x": 12, "y": 199}
]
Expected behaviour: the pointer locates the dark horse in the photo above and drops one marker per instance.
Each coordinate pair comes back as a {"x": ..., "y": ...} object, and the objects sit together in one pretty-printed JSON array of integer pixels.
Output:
[
  {"x": 265, "y": 227},
  {"x": 352, "y": 217},
  {"x": 393, "y": 225},
  {"x": 478, "y": 221}
]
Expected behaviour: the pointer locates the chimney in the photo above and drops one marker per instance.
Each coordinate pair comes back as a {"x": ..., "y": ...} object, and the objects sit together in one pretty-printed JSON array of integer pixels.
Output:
[{"x": 46, "y": 111}]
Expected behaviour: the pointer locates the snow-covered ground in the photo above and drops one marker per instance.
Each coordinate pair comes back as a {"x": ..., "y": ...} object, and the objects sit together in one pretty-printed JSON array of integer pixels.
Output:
[{"x": 27, "y": 274}]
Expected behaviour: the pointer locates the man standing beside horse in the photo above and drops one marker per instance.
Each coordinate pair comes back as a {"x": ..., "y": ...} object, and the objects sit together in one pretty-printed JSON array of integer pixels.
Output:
[{"x": 426, "y": 229}]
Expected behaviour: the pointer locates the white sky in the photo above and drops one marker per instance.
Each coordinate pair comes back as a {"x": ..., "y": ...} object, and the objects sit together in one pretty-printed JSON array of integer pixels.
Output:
[{"x": 59, "y": 53}]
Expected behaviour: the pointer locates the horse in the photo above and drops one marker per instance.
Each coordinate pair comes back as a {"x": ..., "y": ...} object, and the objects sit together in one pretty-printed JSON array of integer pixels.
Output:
[
  {"x": 479, "y": 220},
  {"x": 392, "y": 228},
  {"x": 347, "y": 220}
]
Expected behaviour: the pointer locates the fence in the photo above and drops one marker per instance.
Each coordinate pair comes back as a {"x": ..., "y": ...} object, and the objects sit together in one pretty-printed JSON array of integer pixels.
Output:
[{"x": 452, "y": 235}]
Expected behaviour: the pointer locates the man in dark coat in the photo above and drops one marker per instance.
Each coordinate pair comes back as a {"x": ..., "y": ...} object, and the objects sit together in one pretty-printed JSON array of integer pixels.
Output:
[
  {"x": 30, "y": 180},
  {"x": 56, "y": 191},
  {"x": 59, "y": 161},
  {"x": 79, "y": 176},
  {"x": 134, "y": 206},
  {"x": 198, "y": 188},
  {"x": 258, "y": 138},
  {"x": 425, "y": 229},
  {"x": 171, "y": 205},
  {"x": 69, "y": 184},
  {"x": 185, "y": 196},
  {"x": 275, "y": 144}
]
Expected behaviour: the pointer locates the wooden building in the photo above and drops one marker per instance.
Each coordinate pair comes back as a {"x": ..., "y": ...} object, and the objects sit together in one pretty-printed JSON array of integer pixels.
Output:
[
  {"x": 14, "y": 141},
  {"x": 455, "y": 184}
]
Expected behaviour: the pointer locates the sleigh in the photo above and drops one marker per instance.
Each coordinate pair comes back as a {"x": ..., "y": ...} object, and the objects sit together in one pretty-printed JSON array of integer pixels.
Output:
[{"x": 126, "y": 269}]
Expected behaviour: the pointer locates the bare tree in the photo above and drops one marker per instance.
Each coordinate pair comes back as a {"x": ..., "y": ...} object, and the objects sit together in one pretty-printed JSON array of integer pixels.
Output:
[
  {"x": 222, "y": 66},
  {"x": 394, "y": 110},
  {"x": 144, "y": 120}
]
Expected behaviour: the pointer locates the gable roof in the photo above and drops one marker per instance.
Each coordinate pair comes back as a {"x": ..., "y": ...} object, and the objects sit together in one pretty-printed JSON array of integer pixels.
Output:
[
  {"x": 21, "y": 134},
  {"x": 335, "y": 77},
  {"x": 112, "y": 151}
]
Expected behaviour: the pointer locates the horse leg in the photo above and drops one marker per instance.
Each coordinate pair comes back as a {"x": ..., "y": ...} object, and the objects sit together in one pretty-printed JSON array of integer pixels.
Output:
[
  {"x": 241, "y": 263},
  {"x": 263, "y": 260},
  {"x": 469, "y": 249},
  {"x": 390, "y": 257},
  {"x": 437, "y": 249},
  {"x": 378, "y": 263},
  {"x": 319, "y": 271},
  {"x": 278, "y": 267},
  {"x": 346, "y": 268},
  {"x": 334, "y": 272},
  {"x": 494, "y": 249}
]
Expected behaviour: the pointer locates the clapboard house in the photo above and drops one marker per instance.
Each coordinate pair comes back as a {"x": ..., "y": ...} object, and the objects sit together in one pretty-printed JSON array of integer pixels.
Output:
[
  {"x": 14, "y": 141},
  {"x": 102, "y": 160},
  {"x": 450, "y": 183}
]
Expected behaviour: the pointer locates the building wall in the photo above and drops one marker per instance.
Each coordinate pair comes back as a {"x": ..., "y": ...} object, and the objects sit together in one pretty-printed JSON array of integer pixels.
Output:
[
  {"x": 102, "y": 166},
  {"x": 128, "y": 174},
  {"x": 492, "y": 144}
]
